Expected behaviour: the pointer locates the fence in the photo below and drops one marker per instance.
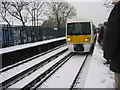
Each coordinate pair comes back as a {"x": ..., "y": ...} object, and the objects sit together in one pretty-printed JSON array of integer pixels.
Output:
[{"x": 17, "y": 35}]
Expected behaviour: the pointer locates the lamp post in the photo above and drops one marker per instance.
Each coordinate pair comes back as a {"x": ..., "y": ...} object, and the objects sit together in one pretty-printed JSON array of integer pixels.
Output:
[
  {"x": 33, "y": 17},
  {"x": 33, "y": 23}
]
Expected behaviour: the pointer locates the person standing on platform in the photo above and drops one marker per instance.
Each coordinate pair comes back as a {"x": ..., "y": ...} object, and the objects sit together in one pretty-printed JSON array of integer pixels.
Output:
[{"x": 111, "y": 43}]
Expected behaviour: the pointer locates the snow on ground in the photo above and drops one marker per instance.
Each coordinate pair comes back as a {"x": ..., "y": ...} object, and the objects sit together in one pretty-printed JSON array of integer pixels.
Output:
[
  {"x": 24, "y": 46},
  {"x": 65, "y": 76},
  {"x": 99, "y": 75},
  {"x": 14, "y": 71},
  {"x": 25, "y": 81}
]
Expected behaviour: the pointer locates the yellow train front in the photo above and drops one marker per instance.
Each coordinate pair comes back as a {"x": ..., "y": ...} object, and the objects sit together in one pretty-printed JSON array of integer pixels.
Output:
[{"x": 80, "y": 35}]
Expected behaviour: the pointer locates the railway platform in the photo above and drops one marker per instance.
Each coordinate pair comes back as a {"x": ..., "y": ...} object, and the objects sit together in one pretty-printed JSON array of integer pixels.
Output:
[
  {"x": 99, "y": 75},
  {"x": 95, "y": 75}
]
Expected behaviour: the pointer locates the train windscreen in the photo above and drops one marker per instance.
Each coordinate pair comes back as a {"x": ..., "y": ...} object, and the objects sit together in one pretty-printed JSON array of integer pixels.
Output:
[{"x": 82, "y": 28}]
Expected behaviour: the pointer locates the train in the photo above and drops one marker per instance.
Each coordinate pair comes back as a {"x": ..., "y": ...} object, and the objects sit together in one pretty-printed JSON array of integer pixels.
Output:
[{"x": 80, "y": 35}]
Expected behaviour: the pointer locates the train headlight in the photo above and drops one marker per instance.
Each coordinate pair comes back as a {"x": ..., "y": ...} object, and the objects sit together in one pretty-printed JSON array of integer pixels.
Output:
[
  {"x": 87, "y": 39},
  {"x": 69, "y": 39}
]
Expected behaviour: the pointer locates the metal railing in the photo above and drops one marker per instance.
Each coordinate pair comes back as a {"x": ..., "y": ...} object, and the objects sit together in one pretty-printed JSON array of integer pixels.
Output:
[{"x": 17, "y": 35}]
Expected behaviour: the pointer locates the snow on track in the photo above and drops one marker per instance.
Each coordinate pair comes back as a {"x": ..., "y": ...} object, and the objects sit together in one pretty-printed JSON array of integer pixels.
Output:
[
  {"x": 25, "y": 81},
  {"x": 14, "y": 71},
  {"x": 65, "y": 76}
]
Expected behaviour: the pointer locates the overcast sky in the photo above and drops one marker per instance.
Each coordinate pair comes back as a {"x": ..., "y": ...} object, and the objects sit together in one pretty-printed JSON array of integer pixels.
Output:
[{"x": 91, "y": 9}]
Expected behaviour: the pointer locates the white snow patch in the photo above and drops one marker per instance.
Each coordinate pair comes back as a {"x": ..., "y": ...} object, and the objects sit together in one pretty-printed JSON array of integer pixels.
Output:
[
  {"x": 99, "y": 75},
  {"x": 64, "y": 77}
]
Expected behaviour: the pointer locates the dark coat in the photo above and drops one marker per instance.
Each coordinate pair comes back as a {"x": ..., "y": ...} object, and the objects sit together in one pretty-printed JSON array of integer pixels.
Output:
[
  {"x": 101, "y": 34},
  {"x": 111, "y": 42}
]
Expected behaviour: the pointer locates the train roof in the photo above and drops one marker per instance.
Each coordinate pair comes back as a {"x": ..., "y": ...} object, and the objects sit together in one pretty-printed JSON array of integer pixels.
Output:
[{"x": 78, "y": 20}]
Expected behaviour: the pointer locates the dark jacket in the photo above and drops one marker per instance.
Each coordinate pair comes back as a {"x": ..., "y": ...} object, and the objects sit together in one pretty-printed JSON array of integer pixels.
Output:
[
  {"x": 101, "y": 34},
  {"x": 111, "y": 42}
]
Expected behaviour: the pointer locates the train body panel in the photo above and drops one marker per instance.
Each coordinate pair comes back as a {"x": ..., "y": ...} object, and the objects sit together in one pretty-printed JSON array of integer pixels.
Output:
[
  {"x": 79, "y": 38},
  {"x": 79, "y": 48},
  {"x": 80, "y": 35}
]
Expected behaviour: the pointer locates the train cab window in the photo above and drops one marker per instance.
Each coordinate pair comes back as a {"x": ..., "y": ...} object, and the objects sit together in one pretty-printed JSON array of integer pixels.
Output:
[
  {"x": 70, "y": 28},
  {"x": 78, "y": 28},
  {"x": 86, "y": 28}
]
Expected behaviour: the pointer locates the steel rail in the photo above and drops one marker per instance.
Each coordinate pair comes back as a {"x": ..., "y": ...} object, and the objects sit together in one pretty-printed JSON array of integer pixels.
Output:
[
  {"x": 74, "y": 81},
  {"x": 41, "y": 73},
  {"x": 27, "y": 72},
  {"x": 29, "y": 59}
]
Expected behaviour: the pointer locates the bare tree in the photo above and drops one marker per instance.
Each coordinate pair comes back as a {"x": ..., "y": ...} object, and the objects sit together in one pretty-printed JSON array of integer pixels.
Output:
[
  {"x": 35, "y": 9},
  {"x": 16, "y": 10},
  {"x": 50, "y": 22},
  {"x": 108, "y": 4},
  {"x": 60, "y": 12},
  {"x": 3, "y": 12}
]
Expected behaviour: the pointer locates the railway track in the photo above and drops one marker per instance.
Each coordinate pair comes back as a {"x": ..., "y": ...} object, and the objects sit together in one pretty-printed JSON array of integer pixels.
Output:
[
  {"x": 29, "y": 67},
  {"x": 36, "y": 76},
  {"x": 31, "y": 81},
  {"x": 29, "y": 59},
  {"x": 66, "y": 76}
]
